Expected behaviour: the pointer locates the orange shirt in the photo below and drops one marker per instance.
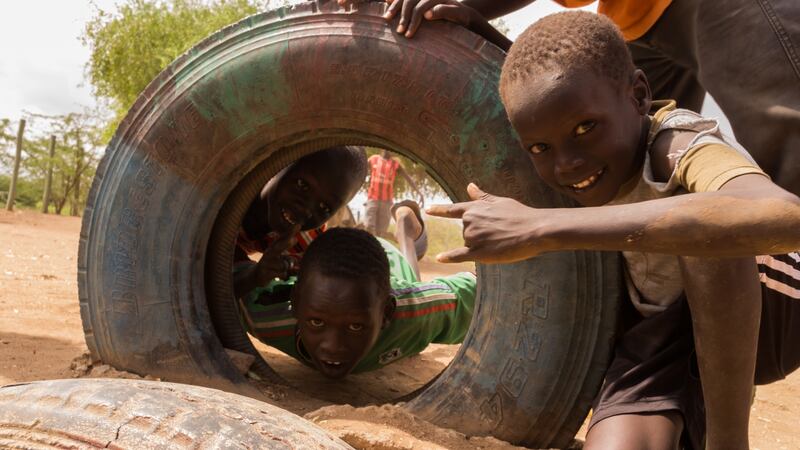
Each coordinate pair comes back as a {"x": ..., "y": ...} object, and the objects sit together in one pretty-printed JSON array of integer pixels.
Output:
[{"x": 633, "y": 17}]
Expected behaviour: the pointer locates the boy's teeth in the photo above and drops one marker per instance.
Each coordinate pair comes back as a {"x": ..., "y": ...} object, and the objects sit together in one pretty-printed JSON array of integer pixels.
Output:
[
  {"x": 287, "y": 217},
  {"x": 333, "y": 363},
  {"x": 589, "y": 181}
]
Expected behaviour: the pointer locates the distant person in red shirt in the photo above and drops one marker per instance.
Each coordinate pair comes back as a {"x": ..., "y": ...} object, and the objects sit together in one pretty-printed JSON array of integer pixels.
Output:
[{"x": 380, "y": 196}]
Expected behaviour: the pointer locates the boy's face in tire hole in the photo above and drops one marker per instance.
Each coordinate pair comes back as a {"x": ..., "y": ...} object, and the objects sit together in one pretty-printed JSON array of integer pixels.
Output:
[
  {"x": 307, "y": 194},
  {"x": 339, "y": 320}
]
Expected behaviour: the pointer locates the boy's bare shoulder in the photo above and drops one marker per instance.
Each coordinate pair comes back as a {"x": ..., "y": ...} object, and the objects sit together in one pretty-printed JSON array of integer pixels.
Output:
[{"x": 668, "y": 142}]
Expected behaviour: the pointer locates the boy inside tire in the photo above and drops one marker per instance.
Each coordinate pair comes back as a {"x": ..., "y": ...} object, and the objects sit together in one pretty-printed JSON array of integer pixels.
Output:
[{"x": 357, "y": 303}]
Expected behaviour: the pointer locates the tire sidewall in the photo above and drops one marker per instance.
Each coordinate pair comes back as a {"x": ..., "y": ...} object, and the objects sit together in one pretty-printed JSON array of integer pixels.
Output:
[{"x": 250, "y": 94}]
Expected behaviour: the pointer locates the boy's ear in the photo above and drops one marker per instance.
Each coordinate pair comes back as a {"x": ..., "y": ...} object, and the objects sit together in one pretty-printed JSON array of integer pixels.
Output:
[
  {"x": 640, "y": 90},
  {"x": 388, "y": 311}
]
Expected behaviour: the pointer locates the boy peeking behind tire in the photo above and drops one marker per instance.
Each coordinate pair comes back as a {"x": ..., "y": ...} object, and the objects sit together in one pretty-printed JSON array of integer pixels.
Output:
[{"x": 291, "y": 211}]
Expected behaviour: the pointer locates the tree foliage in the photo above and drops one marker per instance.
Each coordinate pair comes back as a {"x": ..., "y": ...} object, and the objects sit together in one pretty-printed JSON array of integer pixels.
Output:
[
  {"x": 77, "y": 150},
  {"x": 501, "y": 25},
  {"x": 131, "y": 46},
  {"x": 426, "y": 184}
]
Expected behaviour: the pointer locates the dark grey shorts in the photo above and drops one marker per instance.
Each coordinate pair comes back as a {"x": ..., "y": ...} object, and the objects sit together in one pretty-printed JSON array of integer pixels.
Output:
[{"x": 654, "y": 367}]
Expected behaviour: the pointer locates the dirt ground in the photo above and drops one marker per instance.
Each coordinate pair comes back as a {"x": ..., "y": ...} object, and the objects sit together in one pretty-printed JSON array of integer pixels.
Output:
[{"x": 41, "y": 338}]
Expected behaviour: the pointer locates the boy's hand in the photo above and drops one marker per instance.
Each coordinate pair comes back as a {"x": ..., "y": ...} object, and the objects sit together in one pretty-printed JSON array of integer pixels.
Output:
[
  {"x": 272, "y": 263},
  {"x": 496, "y": 229},
  {"x": 412, "y": 12}
]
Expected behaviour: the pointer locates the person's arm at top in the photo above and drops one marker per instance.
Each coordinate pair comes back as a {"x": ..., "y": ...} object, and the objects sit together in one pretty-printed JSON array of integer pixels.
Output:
[
  {"x": 490, "y": 9},
  {"x": 748, "y": 216},
  {"x": 473, "y": 15}
]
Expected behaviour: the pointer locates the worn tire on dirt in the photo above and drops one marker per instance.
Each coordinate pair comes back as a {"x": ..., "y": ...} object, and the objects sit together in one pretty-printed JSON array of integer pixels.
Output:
[
  {"x": 158, "y": 232},
  {"x": 133, "y": 414}
]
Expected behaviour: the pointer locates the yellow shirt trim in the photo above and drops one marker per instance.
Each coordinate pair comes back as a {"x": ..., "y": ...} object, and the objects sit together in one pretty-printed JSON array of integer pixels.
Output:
[{"x": 707, "y": 167}]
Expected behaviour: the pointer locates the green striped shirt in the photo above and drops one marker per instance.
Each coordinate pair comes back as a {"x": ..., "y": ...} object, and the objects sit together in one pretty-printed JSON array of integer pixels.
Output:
[{"x": 438, "y": 311}]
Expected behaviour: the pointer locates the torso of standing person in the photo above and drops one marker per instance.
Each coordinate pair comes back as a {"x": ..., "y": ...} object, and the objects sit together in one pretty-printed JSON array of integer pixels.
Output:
[
  {"x": 383, "y": 172},
  {"x": 633, "y": 17}
]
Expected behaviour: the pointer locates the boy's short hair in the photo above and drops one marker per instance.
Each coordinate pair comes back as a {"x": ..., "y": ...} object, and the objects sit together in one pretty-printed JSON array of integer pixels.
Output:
[
  {"x": 567, "y": 41},
  {"x": 353, "y": 156},
  {"x": 347, "y": 253}
]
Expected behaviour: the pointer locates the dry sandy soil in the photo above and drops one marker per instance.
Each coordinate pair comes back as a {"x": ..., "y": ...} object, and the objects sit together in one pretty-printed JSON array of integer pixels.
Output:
[{"x": 41, "y": 338}]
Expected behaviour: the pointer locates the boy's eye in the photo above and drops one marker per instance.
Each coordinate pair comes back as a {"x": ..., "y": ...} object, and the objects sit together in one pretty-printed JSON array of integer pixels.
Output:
[
  {"x": 316, "y": 323},
  {"x": 302, "y": 184},
  {"x": 355, "y": 327},
  {"x": 584, "y": 127},
  {"x": 539, "y": 148}
]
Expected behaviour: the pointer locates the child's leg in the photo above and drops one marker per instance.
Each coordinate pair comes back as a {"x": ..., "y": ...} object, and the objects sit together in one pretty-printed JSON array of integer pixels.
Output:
[
  {"x": 637, "y": 432},
  {"x": 652, "y": 391},
  {"x": 410, "y": 232},
  {"x": 724, "y": 297},
  {"x": 371, "y": 216},
  {"x": 653, "y": 370},
  {"x": 384, "y": 217}
]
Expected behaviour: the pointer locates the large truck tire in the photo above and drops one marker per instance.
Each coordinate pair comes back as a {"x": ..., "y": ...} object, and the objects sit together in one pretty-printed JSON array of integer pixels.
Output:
[
  {"x": 158, "y": 233},
  {"x": 133, "y": 414}
]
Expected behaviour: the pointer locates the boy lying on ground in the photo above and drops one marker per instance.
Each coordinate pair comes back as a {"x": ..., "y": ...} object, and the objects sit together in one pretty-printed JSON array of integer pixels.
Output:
[
  {"x": 357, "y": 303},
  {"x": 291, "y": 211},
  {"x": 687, "y": 206}
]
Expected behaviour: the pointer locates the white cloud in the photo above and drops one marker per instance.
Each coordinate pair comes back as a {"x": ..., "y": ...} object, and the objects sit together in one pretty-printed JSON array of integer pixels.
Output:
[{"x": 41, "y": 69}]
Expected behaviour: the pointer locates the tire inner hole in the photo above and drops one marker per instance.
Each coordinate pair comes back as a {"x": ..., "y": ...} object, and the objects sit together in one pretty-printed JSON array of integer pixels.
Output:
[{"x": 266, "y": 321}]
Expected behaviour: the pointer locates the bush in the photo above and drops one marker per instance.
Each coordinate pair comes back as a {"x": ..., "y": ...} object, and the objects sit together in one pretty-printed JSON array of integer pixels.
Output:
[{"x": 29, "y": 194}]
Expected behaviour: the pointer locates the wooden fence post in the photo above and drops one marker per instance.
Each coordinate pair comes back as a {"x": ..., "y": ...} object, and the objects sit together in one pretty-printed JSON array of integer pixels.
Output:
[
  {"x": 12, "y": 190},
  {"x": 48, "y": 182},
  {"x": 76, "y": 195}
]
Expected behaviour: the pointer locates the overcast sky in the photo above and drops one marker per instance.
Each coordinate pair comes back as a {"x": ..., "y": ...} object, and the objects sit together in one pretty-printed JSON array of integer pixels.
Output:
[{"x": 42, "y": 59}]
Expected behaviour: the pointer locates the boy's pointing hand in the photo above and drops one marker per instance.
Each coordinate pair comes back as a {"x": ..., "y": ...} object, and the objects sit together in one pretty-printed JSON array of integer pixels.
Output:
[
  {"x": 273, "y": 264},
  {"x": 496, "y": 229}
]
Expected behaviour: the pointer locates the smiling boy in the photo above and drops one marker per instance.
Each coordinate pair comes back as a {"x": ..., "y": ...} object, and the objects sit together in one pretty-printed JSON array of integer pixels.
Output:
[
  {"x": 687, "y": 206},
  {"x": 357, "y": 304},
  {"x": 291, "y": 211}
]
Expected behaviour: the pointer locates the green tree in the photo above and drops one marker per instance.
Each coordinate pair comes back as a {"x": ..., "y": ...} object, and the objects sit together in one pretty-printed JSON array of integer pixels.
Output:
[
  {"x": 429, "y": 187},
  {"x": 78, "y": 143},
  {"x": 131, "y": 46},
  {"x": 6, "y": 146},
  {"x": 501, "y": 25}
]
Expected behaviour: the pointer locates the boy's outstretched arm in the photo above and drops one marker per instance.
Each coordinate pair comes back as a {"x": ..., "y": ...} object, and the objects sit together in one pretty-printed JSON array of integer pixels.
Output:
[{"x": 748, "y": 216}]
